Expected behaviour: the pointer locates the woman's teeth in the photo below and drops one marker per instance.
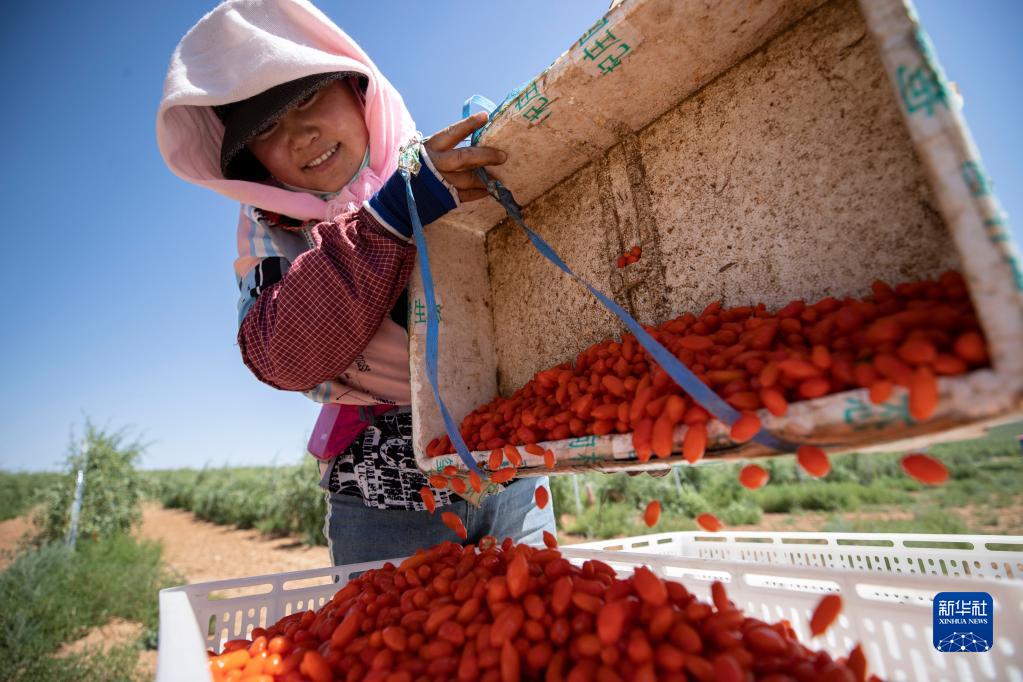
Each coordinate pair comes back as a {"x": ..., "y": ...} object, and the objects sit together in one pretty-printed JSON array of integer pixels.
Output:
[{"x": 323, "y": 157}]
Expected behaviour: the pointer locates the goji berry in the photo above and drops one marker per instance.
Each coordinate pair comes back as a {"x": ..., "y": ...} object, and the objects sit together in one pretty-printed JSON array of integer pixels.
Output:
[
  {"x": 923, "y": 394},
  {"x": 652, "y": 513},
  {"x": 925, "y": 469},
  {"x": 813, "y": 460},
  {"x": 709, "y": 523},
  {"x": 452, "y": 521},
  {"x": 825, "y": 613},
  {"x": 745, "y": 427},
  {"x": 753, "y": 476}
]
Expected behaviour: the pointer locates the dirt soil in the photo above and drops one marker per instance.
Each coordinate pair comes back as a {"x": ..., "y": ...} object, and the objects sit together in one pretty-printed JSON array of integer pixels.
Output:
[
  {"x": 11, "y": 533},
  {"x": 199, "y": 551},
  {"x": 103, "y": 638}
]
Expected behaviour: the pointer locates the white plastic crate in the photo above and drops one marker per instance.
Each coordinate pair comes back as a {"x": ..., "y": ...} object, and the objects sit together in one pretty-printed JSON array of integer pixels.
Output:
[
  {"x": 887, "y": 583},
  {"x": 921, "y": 554}
]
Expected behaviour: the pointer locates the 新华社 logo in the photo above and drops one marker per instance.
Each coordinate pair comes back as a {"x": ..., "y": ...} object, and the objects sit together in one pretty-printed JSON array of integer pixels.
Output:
[{"x": 963, "y": 622}]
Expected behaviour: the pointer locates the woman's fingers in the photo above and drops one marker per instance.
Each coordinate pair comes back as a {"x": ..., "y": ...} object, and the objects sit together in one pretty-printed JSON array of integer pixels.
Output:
[
  {"x": 456, "y": 132},
  {"x": 464, "y": 180},
  {"x": 457, "y": 163},
  {"x": 466, "y": 158}
]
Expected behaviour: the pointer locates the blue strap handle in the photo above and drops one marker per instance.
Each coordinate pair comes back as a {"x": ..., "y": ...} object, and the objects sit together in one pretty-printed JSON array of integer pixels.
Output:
[
  {"x": 432, "y": 332},
  {"x": 483, "y": 103}
]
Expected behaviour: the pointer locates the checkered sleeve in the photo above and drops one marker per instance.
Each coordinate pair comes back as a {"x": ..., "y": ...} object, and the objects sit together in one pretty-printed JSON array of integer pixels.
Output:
[{"x": 310, "y": 326}]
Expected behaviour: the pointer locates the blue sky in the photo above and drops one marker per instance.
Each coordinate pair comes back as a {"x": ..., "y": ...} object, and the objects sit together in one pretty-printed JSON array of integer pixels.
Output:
[{"x": 121, "y": 300}]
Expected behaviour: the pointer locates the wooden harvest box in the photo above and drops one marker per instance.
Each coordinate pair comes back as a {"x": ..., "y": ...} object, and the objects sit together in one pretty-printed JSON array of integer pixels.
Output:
[{"x": 759, "y": 152}]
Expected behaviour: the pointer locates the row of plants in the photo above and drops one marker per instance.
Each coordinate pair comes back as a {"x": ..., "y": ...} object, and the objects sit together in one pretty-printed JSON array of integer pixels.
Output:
[
  {"x": 52, "y": 594},
  {"x": 984, "y": 472},
  {"x": 287, "y": 499},
  {"x": 281, "y": 500}
]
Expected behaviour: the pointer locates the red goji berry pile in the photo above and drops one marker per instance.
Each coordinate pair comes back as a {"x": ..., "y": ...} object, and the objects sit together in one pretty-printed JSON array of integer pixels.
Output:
[
  {"x": 515, "y": 612},
  {"x": 630, "y": 257},
  {"x": 907, "y": 335}
]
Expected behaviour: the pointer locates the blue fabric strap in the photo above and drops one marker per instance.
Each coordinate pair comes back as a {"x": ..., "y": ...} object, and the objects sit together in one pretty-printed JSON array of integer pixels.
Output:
[
  {"x": 480, "y": 100},
  {"x": 431, "y": 329},
  {"x": 679, "y": 373},
  {"x": 484, "y": 104}
]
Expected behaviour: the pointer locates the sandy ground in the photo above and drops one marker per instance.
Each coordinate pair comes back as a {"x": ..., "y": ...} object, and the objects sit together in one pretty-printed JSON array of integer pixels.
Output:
[
  {"x": 199, "y": 551},
  {"x": 11, "y": 533}
]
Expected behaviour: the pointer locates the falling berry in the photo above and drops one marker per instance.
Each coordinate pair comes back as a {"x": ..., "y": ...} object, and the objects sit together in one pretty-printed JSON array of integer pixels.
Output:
[
  {"x": 709, "y": 523},
  {"x": 813, "y": 460},
  {"x": 652, "y": 513},
  {"x": 925, "y": 469},
  {"x": 753, "y": 476}
]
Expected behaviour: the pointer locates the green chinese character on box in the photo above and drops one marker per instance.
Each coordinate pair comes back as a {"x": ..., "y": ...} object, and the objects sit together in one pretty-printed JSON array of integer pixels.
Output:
[
  {"x": 599, "y": 46},
  {"x": 419, "y": 312},
  {"x": 586, "y": 458},
  {"x": 538, "y": 104},
  {"x": 920, "y": 89},
  {"x": 613, "y": 61},
  {"x": 996, "y": 233},
  {"x": 862, "y": 415},
  {"x": 602, "y": 22},
  {"x": 976, "y": 179}
]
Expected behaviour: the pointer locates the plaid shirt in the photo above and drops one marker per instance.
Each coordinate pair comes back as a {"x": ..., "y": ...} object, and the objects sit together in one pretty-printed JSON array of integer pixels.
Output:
[
  {"x": 305, "y": 322},
  {"x": 323, "y": 310}
]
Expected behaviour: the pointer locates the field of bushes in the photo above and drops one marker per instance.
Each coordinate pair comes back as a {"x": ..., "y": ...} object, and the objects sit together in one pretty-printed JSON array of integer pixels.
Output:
[
  {"x": 52, "y": 594},
  {"x": 281, "y": 500},
  {"x": 985, "y": 473}
]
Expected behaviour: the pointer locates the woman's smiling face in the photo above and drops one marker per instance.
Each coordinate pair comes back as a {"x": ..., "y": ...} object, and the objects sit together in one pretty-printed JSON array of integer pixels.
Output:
[{"x": 317, "y": 144}]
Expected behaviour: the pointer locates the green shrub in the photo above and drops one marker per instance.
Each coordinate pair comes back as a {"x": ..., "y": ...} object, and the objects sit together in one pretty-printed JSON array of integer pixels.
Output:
[
  {"x": 295, "y": 503},
  {"x": 113, "y": 489},
  {"x": 19, "y": 492},
  {"x": 824, "y": 496},
  {"x": 930, "y": 520},
  {"x": 119, "y": 664},
  {"x": 276, "y": 500},
  {"x": 51, "y": 595},
  {"x": 562, "y": 494},
  {"x": 617, "y": 519},
  {"x": 740, "y": 513}
]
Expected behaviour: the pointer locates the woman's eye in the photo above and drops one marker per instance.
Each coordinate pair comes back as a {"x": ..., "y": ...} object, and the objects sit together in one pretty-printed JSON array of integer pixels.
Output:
[
  {"x": 304, "y": 103},
  {"x": 268, "y": 133}
]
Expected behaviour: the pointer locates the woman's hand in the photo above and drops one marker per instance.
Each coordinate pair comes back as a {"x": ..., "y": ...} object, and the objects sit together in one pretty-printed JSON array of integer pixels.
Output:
[{"x": 457, "y": 164}]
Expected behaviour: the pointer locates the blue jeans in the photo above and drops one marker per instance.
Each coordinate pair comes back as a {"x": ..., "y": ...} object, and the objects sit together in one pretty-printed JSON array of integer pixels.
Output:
[{"x": 357, "y": 533}]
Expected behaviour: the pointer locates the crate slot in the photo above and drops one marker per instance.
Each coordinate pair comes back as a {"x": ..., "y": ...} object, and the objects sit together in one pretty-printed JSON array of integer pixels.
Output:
[{"x": 308, "y": 582}]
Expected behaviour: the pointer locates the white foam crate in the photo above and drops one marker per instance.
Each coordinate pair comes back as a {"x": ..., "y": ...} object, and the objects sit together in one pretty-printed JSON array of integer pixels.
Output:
[
  {"x": 887, "y": 583},
  {"x": 759, "y": 152}
]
